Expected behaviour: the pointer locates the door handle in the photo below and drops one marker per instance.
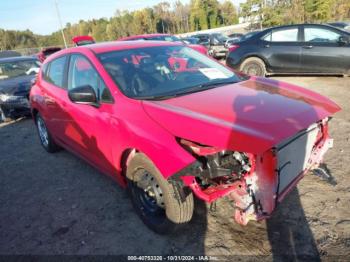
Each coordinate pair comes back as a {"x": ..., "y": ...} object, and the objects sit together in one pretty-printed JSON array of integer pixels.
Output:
[
  {"x": 267, "y": 45},
  {"x": 307, "y": 46}
]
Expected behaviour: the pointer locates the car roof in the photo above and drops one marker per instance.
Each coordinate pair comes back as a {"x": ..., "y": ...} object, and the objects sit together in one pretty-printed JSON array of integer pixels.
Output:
[
  {"x": 104, "y": 47},
  {"x": 17, "y": 58}
]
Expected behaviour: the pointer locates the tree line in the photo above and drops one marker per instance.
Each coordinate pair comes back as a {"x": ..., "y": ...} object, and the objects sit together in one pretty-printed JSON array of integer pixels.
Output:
[
  {"x": 279, "y": 12},
  {"x": 180, "y": 18}
]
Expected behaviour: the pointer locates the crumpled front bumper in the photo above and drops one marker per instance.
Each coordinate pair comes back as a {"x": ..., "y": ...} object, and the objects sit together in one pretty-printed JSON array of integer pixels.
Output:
[
  {"x": 257, "y": 194},
  {"x": 15, "y": 105}
]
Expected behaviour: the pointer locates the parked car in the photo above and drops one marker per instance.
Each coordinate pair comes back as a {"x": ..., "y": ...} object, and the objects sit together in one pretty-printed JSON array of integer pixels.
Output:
[
  {"x": 83, "y": 40},
  {"x": 342, "y": 25},
  {"x": 164, "y": 37},
  {"x": 232, "y": 38},
  {"x": 232, "y": 41},
  {"x": 215, "y": 43},
  {"x": 46, "y": 52},
  {"x": 190, "y": 40},
  {"x": 235, "y": 35},
  {"x": 9, "y": 53},
  {"x": 166, "y": 133},
  {"x": 293, "y": 49},
  {"x": 16, "y": 74}
]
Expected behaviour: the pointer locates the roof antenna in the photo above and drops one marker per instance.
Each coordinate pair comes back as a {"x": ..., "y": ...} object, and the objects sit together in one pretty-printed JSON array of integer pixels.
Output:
[{"x": 60, "y": 21}]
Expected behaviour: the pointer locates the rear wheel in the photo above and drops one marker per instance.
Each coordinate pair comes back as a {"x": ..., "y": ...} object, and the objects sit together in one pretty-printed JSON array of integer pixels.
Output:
[
  {"x": 156, "y": 201},
  {"x": 45, "y": 138},
  {"x": 253, "y": 66}
]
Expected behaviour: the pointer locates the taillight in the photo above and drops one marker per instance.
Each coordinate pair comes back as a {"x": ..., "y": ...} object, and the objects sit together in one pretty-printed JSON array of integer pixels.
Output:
[{"x": 232, "y": 48}]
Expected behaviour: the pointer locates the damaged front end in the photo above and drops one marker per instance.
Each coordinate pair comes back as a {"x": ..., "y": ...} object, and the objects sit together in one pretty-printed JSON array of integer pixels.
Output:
[
  {"x": 12, "y": 106},
  {"x": 256, "y": 183}
]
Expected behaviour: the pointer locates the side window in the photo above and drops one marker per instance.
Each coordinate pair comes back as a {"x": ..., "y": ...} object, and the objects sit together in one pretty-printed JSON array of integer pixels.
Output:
[
  {"x": 316, "y": 34},
  {"x": 45, "y": 71},
  {"x": 81, "y": 73},
  {"x": 285, "y": 35},
  {"x": 55, "y": 73}
]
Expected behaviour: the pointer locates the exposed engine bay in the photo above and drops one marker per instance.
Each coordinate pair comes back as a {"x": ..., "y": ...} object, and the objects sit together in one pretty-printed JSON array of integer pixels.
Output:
[{"x": 255, "y": 183}]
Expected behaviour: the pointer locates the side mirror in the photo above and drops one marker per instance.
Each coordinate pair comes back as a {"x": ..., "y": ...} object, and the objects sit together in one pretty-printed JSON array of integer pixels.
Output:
[
  {"x": 83, "y": 95},
  {"x": 343, "y": 40}
]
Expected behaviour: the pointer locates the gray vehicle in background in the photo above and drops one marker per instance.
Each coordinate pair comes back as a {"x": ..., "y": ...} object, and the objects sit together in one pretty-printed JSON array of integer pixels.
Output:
[
  {"x": 16, "y": 76},
  {"x": 215, "y": 42}
]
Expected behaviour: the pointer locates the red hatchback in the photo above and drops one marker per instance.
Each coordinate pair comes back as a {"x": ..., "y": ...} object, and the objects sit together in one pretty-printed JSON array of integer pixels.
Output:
[{"x": 169, "y": 123}]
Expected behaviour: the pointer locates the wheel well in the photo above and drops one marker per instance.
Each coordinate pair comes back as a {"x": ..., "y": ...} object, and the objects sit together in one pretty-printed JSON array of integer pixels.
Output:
[
  {"x": 127, "y": 155},
  {"x": 259, "y": 57},
  {"x": 34, "y": 113}
]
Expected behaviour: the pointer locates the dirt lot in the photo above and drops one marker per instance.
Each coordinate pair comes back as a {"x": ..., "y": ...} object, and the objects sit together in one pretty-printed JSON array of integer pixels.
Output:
[{"x": 57, "y": 204}]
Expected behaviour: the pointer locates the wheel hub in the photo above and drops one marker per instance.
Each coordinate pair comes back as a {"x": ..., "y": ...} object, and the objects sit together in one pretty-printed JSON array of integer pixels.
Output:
[{"x": 152, "y": 195}]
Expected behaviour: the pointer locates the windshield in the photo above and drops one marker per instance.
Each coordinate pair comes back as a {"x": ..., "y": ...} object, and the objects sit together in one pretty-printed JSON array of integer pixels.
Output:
[
  {"x": 220, "y": 37},
  {"x": 12, "y": 69},
  {"x": 164, "y": 71},
  {"x": 192, "y": 41}
]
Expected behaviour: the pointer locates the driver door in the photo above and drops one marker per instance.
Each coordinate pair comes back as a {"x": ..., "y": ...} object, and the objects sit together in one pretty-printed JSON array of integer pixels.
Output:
[{"x": 88, "y": 128}]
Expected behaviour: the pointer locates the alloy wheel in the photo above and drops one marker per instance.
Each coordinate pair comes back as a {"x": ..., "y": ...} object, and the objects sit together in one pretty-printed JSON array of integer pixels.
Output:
[{"x": 43, "y": 133}]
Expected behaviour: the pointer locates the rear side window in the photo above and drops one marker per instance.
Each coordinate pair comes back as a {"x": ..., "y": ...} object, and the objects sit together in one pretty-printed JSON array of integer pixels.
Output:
[
  {"x": 55, "y": 73},
  {"x": 315, "y": 34},
  {"x": 285, "y": 35}
]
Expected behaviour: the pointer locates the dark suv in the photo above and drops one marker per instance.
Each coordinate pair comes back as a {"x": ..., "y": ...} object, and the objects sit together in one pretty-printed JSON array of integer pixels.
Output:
[{"x": 293, "y": 49}]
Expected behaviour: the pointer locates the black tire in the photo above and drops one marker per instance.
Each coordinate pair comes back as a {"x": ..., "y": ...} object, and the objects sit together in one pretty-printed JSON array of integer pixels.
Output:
[
  {"x": 45, "y": 137},
  {"x": 253, "y": 66},
  {"x": 168, "y": 210}
]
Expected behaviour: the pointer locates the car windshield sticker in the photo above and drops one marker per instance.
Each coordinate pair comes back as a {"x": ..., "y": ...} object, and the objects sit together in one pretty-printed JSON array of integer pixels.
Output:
[{"x": 212, "y": 73}]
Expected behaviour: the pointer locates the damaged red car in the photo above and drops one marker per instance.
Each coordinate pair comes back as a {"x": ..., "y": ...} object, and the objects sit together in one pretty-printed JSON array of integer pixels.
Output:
[{"x": 170, "y": 124}]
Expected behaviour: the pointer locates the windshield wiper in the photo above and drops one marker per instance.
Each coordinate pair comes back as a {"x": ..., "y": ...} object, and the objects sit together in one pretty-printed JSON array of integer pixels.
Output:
[
  {"x": 205, "y": 86},
  {"x": 194, "y": 89}
]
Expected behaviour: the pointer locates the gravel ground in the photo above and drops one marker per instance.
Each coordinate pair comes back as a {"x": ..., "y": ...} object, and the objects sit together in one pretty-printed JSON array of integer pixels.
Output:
[{"x": 57, "y": 204}]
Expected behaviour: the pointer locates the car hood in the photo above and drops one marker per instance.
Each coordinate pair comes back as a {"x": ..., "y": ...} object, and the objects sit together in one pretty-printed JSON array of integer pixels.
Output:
[
  {"x": 16, "y": 86},
  {"x": 249, "y": 116}
]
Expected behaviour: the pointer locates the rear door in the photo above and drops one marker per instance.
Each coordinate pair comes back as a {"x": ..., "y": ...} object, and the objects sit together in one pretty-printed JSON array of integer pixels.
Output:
[
  {"x": 322, "y": 51},
  {"x": 282, "y": 49},
  {"x": 54, "y": 92}
]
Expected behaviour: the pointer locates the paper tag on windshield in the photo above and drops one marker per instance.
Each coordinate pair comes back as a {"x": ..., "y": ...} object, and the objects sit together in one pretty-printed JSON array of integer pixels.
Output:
[{"x": 212, "y": 73}]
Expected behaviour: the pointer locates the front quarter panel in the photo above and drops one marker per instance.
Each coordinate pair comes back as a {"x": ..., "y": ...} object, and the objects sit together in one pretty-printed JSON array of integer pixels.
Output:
[{"x": 134, "y": 129}]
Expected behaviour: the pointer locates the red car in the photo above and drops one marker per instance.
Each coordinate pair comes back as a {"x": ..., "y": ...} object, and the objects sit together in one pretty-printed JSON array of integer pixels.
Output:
[
  {"x": 83, "y": 40},
  {"x": 46, "y": 52},
  {"x": 164, "y": 37},
  {"x": 168, "y": 132}
]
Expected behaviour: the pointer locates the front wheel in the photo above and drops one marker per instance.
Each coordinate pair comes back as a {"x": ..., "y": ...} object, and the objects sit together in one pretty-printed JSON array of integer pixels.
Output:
[
  {"x": 162, "y": 206},
  {"x": 46, "y": 139},
  {"x": 253, "y": 66}
]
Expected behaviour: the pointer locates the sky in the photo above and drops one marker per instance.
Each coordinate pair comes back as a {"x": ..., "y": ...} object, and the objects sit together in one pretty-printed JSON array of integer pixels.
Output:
[{"x": 40, "y": 16}]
